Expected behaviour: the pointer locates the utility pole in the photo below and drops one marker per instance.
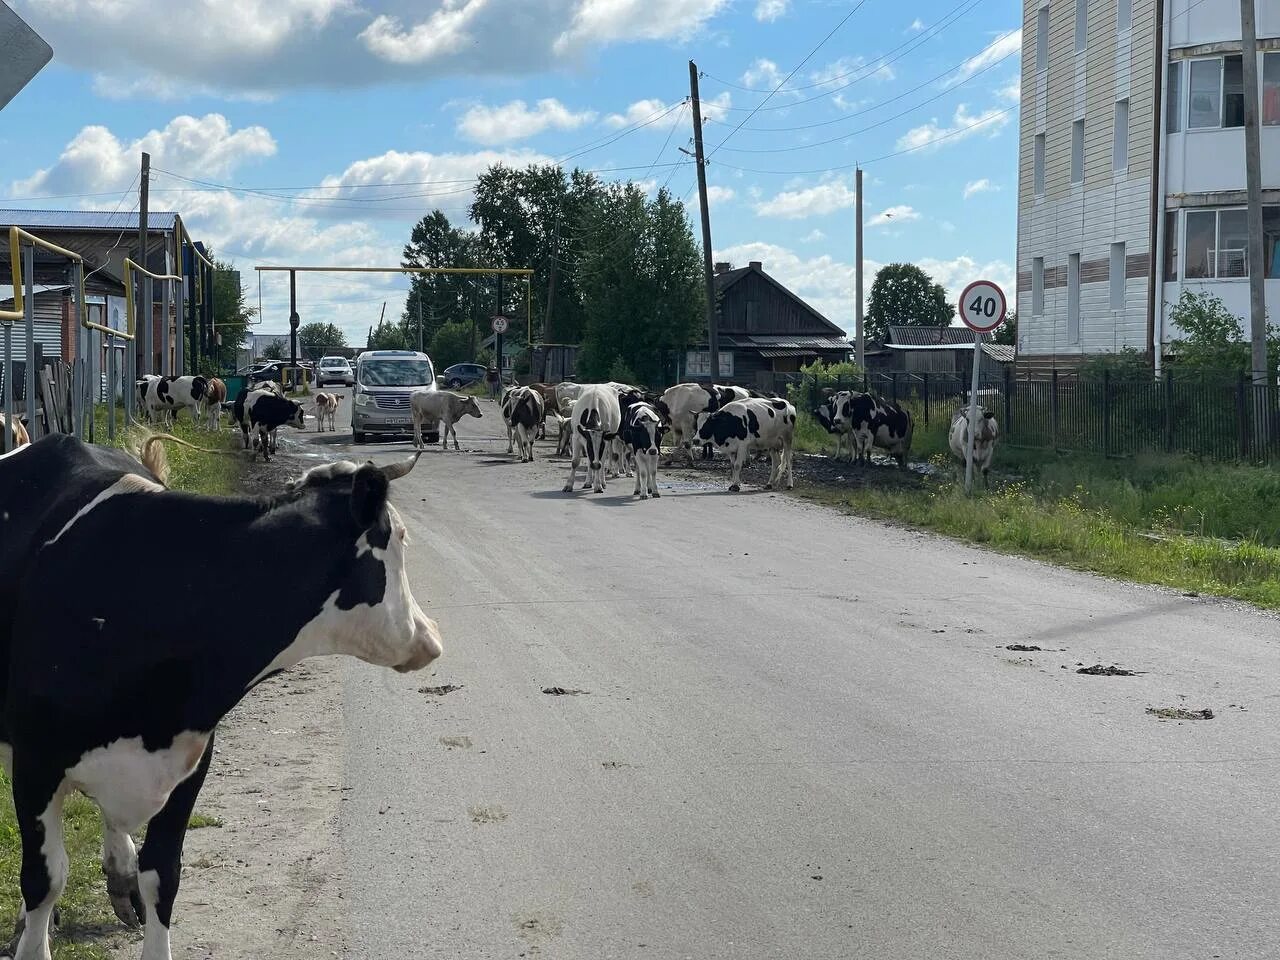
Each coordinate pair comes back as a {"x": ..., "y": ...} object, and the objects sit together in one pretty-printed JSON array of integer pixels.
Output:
[
  {"x": 1253, "y": 185},
  {"x": 294, "y": 319},
  {"x": 497, "y": 337},
  {"x": 419, "y": 321},
  {"x": 857, "y": 291},
  {"x": 144, "y": 322},
  {"x": 713, "y": 335},
  {"x": 551, "y": 280}
]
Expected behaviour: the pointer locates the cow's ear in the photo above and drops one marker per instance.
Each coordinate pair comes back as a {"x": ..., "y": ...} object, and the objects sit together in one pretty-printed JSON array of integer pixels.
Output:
[{"x": 369, "y": 488}]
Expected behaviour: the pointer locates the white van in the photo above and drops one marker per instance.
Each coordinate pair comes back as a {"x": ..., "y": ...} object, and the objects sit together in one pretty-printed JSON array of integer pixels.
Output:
[{"x": 385, "y": 379}]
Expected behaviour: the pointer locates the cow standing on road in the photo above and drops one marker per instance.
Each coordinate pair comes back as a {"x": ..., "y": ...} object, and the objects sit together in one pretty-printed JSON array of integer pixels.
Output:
[
  {"x": 444, "y": 408},
  {"x": 642, "y": 430},
  {"x": 265, "y": 410},
  {"x": 744, "y": 426},
  {"x": 327, "y": 410},
  {"x": 596, "y": 419},
  {"x": 685, "y": 403},
  {"x": 526, "y": 411},
  {"x": 101, "y": 699}
]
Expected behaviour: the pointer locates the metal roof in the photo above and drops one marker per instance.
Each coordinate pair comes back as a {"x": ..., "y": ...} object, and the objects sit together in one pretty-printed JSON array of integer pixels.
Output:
[
  {"x": 158, "y": 221},
  {"x": 929, "y": 336},
  {"x": 780, "y": 342},
  {"x": 1000, "y": 352},
  {"x": 778, "y": 353}
]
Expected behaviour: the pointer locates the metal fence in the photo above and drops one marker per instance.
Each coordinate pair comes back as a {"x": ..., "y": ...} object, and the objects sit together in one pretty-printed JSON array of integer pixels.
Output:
[{"x": 1213, "y": 417}]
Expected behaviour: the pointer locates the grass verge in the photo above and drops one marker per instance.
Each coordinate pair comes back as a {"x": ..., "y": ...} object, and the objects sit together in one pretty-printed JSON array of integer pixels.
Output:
[{"x": 89, "y": 929}]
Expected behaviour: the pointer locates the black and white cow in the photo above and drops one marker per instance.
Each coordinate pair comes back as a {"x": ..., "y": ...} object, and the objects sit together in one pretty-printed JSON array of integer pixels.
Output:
[
  {"x": 642, "y": 430},
  {"x": 874, "y": 421},
  {"x": 265, "y": 411},
  {"x": 621, "y": 461},
  {"x": 825, "y": 413},
  {"x": 596, "y": 419},
  {"x": 744, "y": 426},
  {"x": 685, "y": 404},
  {"x": 120, "y": 701},
  {"x": 165, "y": 396},
  {"x": 523, "y": 408}
]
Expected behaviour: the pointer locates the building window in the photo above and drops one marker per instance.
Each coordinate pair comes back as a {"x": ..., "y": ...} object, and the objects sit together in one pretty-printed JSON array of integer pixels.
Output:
[
  {"x": 1124, "y": 14},
  {"x": 1217, "y": 93},
  {"x": 1173, "y": 108},
  {"x": 1271, "y": 89},
  {"x": 1117, "y": 276},
  {"x": 698, "y": 363},
  {"x": 1217, "y": 245},
  {"x": 1082, "y": 24},
  {"x": 1271, "y": 241},
  {"x": 1038, "y": 174},
  {"x": 1171, "y": 245},
  {"x": 1037, "y": 287},
  {"x": 1077, "y": 151},
  {"x": 1073, "y": 298},
  {"x": 1120, "y": 141},
  {"x": 1042, "y": 38}
]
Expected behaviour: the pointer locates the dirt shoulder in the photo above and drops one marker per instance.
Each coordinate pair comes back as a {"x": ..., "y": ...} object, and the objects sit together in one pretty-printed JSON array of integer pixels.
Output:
[{"x": 268, "y": 882}]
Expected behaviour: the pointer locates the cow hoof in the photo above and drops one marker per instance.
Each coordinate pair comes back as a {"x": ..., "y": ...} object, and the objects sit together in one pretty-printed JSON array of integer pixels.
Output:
[
  {"x": 734, "y": 488},
  {"x": 768, "y": 486},
  {"x": 567, "y": 488},
  {"x": 126, "y": 901},
  {"x": 656, "y": 494}
]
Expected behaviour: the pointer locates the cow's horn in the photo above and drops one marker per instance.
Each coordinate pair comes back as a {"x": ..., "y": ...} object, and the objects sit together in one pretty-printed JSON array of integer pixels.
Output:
[{"x": 395, "y": 471}]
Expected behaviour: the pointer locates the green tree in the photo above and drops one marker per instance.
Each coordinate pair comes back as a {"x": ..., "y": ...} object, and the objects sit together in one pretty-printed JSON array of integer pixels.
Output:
[
  {"x": 1007, "y": 332},
  {"x": 451, "y": 344},
  {"x": 317, "y": 339},
  {"x": 1213, "y": 337},
  {"x": 904, "y": 295},
  {"x": 388, "y": 336},
  {"x": 275, "y": 350},
  {"x": 438, "y": 299}
]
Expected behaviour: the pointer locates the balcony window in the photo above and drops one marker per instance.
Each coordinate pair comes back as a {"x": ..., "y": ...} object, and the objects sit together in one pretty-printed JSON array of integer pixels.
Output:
[
  {"x": 1271, "y": 89},
  {"x": 1233, "y": 243},
  {"x": 1037, "y": 179},
  {"x": 1042, "y": 38},
  {"x": 1233, "y": 92},
  {"x": 1271, "y": 241},
  {"x": 1217, "y": 245},
  {"x": 1205, "y": 108},
  {"x": 1171, "y": 245},
  {"x": 1173, "y": 108},
  {"x": 1077, "y": 151}
]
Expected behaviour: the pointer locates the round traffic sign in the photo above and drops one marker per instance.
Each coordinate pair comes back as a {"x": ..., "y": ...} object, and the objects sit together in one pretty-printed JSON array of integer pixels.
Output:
[
  {"x": 982, "y": 306},
  {"x": 500, "y": 324}
]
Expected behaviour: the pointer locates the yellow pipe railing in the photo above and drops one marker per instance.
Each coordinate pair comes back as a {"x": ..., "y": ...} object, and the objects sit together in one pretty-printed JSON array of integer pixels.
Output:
[
  {"x": 509, "y": 271},
  {"x": 129, "y": 269}
]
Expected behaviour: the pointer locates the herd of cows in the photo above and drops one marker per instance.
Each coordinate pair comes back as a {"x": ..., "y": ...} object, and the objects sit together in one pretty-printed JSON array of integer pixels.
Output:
[{"x": 104, "y": 697}]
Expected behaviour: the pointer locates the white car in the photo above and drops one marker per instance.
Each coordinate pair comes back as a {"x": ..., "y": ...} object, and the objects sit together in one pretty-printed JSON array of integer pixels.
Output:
[{"x": 335, "y": 370}]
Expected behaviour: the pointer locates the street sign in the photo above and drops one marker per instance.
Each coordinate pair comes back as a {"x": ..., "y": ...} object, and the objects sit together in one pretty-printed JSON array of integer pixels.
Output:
[
  {"x": 23, "y": 53},
  {"x": 982, "y": 306},
  {"x": 500, "y": 324}
]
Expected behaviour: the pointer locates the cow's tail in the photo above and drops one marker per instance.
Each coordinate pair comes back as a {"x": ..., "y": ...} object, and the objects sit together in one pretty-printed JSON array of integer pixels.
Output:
[{"x": 149, "y": 448}]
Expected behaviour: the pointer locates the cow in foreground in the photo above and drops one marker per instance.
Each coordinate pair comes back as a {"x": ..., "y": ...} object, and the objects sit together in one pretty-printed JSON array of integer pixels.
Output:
[
  {"x": 744, "y": 426},
  {"x": 642, "y": 430},
  {"x": 984, "y": 439},
  {"x": 327, "y": 410},
  {"x": 101, "y": 699},
  {"x": 595, "y": 420},
  {"x": 444, "y": 408}
]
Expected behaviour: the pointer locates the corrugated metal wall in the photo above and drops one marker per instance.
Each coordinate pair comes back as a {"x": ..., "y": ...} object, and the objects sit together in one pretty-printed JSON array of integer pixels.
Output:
[{"x": 48, "y": 333}]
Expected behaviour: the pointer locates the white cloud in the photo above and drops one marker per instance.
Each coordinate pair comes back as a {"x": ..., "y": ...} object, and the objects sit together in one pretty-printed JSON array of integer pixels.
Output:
[
  {"x": 768, "y": 11},
  {"x": 637, "y": 112},
  {"x": 899, "y": 214},
  {"x": 517, "y": 121},
  {"x": 1011, "y": 91},
  {"x": 446, "y": 31},
  {"x": 933, "y": 135},
  {"x": 916, "y": 26},
  {"x": 96, "y": 160},
  {"x": 959, "y": 272},
  {"x": 815, "y": 201},
  {"x": 1003, "y": 46},
  {"x": 716, "y": 195},
  {"x": 813, "y": 236},
  {"x": 716, "y": 109},
  {"x": 847, "y": 70},
  {"x": 979, "y": 186},
  {"x": 605, "y": 21},
  {"x": 763, "y": 74}
]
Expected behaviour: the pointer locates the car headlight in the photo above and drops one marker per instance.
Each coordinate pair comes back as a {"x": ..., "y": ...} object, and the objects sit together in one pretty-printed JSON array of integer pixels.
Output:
[{"x": 363, "y": 400}]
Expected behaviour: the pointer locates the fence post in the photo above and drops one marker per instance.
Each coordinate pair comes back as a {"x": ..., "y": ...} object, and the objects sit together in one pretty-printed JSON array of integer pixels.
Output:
[
  {"x": 1106, "y": 413},
  {"x": 1242, "y": 418},
  {"x": 925, "y": 390},
  {"x": 1053, "y": 410},
  {"x": 1168, "y": 411},
  {"x": 1008, "y": 405}
]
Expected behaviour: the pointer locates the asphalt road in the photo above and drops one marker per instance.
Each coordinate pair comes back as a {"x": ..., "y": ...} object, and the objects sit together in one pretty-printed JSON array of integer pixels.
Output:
[{"x": 801, "y": 736}]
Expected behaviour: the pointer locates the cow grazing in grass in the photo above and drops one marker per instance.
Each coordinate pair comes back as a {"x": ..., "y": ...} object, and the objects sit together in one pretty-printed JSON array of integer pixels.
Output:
[
  {"x": 596, "y": 419},
  {"x": 873, "y": 421},
  {"x": 744, "y": 426},
  {"x": 214, "y": 398},
  {"x": 327, "y": 410},
  {"x": 444, "y": 408},
  {"x": 120, "y": 700},
  {"x": 984, "y": 439},
  {"x": 642, "y": 429}
]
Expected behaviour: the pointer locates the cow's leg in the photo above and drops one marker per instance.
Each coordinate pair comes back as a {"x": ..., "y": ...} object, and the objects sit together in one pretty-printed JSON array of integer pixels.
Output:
[
  {"x": 736, "y": 456},
  {"x": 573, "y": 469},
  {"x": 160, "y": 863},
  {"x": 44, "y": 863},
  {"x": 120, "y": 866},
  {"x": 789, "y": 451},
  {"x": 775, "y": 468},
  {"x": 264, "y": 439},
  {"x": 510, "y": 436},
  {"x": 417, "y": 433}
]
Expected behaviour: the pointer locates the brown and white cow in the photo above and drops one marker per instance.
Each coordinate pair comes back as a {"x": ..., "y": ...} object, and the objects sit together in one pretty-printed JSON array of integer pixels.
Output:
[
  {"x": 215, "y": 396},
  {"x": 327, "y": 409},
  {"x": 984, "y": 439},
  {"x": 18, "y": 436}
]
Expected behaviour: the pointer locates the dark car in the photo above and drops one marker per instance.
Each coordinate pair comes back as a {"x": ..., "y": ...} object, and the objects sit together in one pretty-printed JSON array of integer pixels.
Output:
[{"x": 462, "y": 375}]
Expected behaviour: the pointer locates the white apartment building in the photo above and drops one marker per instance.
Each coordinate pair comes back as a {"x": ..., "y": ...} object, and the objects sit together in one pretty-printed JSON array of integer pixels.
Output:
[{"x": 1131, "y": 170}]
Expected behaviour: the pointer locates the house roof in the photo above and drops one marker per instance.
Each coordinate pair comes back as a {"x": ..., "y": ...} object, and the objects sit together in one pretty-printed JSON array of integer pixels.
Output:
[
  {"x": 928, "y": 336},
  {"x": 727, "y": 279},
  {"x": 802, "y": 342},
  {"x": 999, "y": 352},
  {"x": 157, "y": 220}
]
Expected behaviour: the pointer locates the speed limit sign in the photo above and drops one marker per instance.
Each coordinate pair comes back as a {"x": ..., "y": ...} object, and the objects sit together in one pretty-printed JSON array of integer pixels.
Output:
[
  {"x": 500, "y": 324},
  {"x": 982, "y": 306}
]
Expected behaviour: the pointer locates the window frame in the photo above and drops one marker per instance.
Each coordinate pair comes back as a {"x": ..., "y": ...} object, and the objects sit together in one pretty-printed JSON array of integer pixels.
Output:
[
  {"x": 1117, "y": 277},
  {"x": 1082, "y": 26},
  {"x": 1038, "y": 162},
  {"x": 1215, "y": 259},
  {"x": 1077, "y": 151},
  {"x": 1173, "y": 94},
  {"x": 1124, "y": 15},
  {"x": 1037, "y": 286},
  {"x": 1042, "y": 38},
  {"x": 1221, "y": 61},
  {"x": 1120, "y": 159},
  {"x": 1269, "y": 57},
  {"x": 1073, "y": 298},
  {"x": 1172, "y": 247},
  {"x": 700, "y": 369}
]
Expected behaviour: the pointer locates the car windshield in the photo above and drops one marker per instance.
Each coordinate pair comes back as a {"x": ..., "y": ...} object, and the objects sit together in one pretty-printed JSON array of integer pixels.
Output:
[
  {"x": 333, "y": 363},
  {"x": 396, "y": 373}
]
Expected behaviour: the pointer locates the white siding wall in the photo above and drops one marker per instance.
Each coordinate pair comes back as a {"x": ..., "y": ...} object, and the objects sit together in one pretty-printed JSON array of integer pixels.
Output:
[{"x": 1194, "y": 22}]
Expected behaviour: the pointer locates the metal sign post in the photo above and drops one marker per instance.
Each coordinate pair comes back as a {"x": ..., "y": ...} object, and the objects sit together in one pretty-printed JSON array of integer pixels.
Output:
[
  {"x": 499, "y": 325},
  {"x": 982, "y": 308}
]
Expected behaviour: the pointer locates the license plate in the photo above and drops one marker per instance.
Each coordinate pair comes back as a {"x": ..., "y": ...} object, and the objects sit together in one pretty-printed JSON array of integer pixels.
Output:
[{"x": 396, "y": 421}]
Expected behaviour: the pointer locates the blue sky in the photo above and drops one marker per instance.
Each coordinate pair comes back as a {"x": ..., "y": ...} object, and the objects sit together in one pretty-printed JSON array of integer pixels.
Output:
[{"x": 319, "y": 131}]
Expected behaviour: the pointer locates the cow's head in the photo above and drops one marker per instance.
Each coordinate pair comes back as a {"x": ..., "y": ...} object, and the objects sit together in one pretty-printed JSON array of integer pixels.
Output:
[
  {"x": 471, "y": 408},
  {"x": 370, "y": 612},
  {"x": 841, "y": 408},
  {"x": 297, "y": 418}
]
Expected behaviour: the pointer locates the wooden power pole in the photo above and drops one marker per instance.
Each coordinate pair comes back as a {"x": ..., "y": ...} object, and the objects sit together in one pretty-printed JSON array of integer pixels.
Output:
[
  {"x": 1253, "y": 186},
  {"x": 713, "y": 336},
  {"x": 857, "y": 283},
  {"x": 142, "y": 347}
]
